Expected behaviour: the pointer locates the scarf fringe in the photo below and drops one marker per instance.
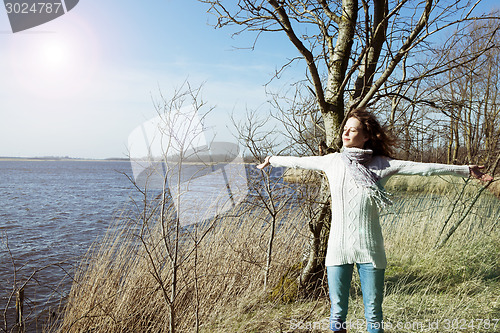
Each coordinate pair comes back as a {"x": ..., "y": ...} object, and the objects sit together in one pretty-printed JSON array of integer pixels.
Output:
[
  {"x": 355, "y": 160},
  {"x": 381, "y": 196}
]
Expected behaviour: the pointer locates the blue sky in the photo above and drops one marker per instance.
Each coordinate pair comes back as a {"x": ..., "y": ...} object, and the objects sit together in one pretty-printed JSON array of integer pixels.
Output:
[{"x": 77, "y": 86}]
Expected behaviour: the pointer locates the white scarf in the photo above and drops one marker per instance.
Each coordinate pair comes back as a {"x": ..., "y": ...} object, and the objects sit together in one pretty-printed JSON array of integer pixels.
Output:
[{"x": 356, "y": 160}]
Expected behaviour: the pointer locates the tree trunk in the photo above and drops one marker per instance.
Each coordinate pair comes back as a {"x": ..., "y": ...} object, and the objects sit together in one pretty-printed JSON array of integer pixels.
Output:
[
  {"x": 333, "y": 116},
  {"x": 310, "y": 278}
]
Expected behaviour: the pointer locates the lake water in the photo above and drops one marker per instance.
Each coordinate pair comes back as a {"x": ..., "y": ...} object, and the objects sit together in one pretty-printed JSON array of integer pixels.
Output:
[{"x": 51, "y": 212}]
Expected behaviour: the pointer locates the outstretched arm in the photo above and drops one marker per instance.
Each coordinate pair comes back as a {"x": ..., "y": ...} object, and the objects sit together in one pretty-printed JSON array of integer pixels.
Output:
[
  {"x": 306, "y": 162},
  {"x": 475, "y": 171},
  {"x": 401, "y": 167}
]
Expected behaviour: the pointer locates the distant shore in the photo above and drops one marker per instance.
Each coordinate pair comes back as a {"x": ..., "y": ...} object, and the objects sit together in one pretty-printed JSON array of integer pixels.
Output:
[
  {"x": 111, "y": 159},
  {"x": 54, "y": 158}
]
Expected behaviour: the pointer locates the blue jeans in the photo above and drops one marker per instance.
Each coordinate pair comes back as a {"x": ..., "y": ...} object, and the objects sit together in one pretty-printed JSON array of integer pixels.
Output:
[{"x": 372, "y": 287}]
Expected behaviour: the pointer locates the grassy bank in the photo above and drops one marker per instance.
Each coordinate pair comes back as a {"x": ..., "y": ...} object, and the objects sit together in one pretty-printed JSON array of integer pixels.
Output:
[
  {"x": 126, "y": 281},
  {"x": 436, "y": 185}
]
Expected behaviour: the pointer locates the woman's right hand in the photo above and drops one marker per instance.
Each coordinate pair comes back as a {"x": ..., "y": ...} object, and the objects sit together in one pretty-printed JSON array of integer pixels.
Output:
[{"x": 264, "y": 164}]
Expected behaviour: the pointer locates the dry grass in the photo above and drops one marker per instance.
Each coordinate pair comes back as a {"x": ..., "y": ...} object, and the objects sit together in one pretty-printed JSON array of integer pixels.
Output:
[
  {"x": 495, "y": 187},
  {"x": 115, "y": 290},
  {"x": 436, "y": 184}
]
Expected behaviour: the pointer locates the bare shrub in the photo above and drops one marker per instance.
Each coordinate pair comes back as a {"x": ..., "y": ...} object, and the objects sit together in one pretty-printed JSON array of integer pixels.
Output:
[{"x": 115, "y": 289}]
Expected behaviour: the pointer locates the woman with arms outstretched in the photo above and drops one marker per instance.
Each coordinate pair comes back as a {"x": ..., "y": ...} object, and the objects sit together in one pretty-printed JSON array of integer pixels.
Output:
[{"x": 356, "y": 177}]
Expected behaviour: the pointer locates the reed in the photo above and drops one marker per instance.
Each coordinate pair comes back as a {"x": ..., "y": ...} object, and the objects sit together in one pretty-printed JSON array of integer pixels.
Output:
[
  {"x": 436, "y": 185},
  {"x": 221, "y": 281},
  {"x": 115, "y": 289}
]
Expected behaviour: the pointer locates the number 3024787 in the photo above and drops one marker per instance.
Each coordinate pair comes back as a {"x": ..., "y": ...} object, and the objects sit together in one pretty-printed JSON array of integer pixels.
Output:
[
  {"x": 462, "y": 324},
  {"x": 33, "y": 8}
]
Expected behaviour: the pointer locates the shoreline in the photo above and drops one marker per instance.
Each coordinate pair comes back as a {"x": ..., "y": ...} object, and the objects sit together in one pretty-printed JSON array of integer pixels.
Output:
[
  {"x": 62, "y": 159},
  {"x": 70, "y": 159}
]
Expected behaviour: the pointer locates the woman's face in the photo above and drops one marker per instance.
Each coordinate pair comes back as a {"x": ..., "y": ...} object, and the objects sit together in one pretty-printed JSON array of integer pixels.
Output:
[{"x": 354, "y": 136}]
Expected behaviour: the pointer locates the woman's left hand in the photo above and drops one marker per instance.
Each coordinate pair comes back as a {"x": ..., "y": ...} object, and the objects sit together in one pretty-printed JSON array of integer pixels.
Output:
[{"x": 475, "y": 171}]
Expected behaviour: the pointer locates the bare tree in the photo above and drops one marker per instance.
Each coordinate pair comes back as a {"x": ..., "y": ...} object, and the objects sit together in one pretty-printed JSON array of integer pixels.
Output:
[
  {"x": 452, "y": 116},
  {"x": 265, "y": 189},
  {"x": 469, "y": 97},
  {"x": 351, "y": 49},
  {"x": 173, "y": 218}
]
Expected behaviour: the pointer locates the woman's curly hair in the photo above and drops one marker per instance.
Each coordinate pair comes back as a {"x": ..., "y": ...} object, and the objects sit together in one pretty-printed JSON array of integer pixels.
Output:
[{"x": 380, "y": 140}]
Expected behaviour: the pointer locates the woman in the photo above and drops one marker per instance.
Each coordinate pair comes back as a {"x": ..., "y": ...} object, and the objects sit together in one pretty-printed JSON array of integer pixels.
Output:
[{"x": 356, "y": 177}]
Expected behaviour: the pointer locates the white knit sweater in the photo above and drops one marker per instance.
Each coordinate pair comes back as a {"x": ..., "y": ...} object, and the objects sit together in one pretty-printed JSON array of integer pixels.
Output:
[{"x": 355, "y": 233}]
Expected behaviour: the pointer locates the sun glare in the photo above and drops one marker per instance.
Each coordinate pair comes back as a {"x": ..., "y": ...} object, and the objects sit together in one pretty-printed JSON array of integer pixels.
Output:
[
  {"x": 55, "y": 54},
  {"x": 54, "y": 64}
]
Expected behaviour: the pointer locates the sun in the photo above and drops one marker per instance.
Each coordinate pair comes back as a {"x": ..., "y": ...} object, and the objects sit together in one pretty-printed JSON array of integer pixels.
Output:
[
  {"x": 55, "y": 54},
  {"x": 54, "y": 65}
]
